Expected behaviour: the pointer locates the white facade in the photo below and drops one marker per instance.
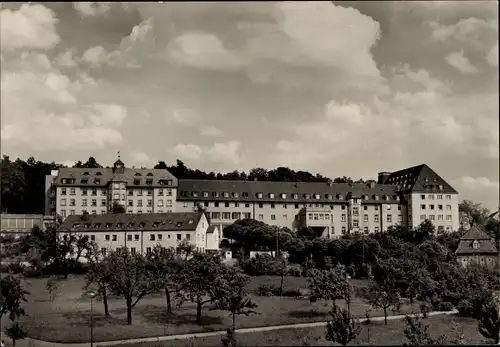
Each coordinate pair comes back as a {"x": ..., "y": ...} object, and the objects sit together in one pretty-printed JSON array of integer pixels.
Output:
[{"x": 440, "y": 209}]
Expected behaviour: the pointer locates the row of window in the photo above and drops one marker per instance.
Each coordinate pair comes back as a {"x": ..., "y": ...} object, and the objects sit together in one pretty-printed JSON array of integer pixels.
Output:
[
  {"x": 152, "y": 237},
  {"x": 343, "y": 217},
  {"x": 273, "y": 205},
  {"x": 231, "y": 215},
  {"x": 294, "y": 196},
  {"x": 433, "y": 217},
  {"x": 133, "y": 250},
  {"x": 439, "y": 207},
  {"x": 431, "y": 197},
  {"x": 96, "y": 180},
  {"x": 138, "y": 192},
  {"x": 160, "y": 203}
]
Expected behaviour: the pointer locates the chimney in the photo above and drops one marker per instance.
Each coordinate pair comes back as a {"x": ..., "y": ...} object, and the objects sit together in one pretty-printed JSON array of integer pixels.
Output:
[
  {"x": 382, "y": 177},
  {"x": 371, "y": 184}
]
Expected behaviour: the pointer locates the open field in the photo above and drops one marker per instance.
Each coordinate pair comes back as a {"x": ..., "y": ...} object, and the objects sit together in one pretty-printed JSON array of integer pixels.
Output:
[
  {"x": 392, "y": 334},
  {"x": 67, "y": 319}
]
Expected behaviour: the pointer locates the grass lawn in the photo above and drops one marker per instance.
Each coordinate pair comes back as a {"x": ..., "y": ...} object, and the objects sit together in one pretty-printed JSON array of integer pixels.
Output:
[
  {"x": 67, "y": 319},
  {"x": 392, "y": 334}
]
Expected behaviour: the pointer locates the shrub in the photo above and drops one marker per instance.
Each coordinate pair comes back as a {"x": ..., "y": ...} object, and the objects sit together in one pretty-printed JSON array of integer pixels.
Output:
[
  {"x": 267, "y": 290},
  {"x": 15, "y": 268},
  {"x": 294, "y": 270},
  {"x": 445, "y": 306},
  {"x": 262, "y": 264},
  {"x": 293, "y": 293}
]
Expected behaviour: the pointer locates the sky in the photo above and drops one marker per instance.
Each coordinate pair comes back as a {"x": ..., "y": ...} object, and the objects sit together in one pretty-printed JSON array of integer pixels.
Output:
[{"x": 342, "y": 88}]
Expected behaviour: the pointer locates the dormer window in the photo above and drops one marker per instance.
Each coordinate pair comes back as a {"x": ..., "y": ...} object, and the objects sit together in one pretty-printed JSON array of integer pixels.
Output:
[
  {"x": 137, "y": 174},
  {"x": 316, "y": 196},
  {"x": 329, "y": 196},
  {"x": 97, "y": 225},
  {"x": 156, "y": 224},
  {"x": 365, "y": 197},
  {"x": 76, "y": 225},
  {"x": 215, "y": 194},
  {"x": 475, "y": 244},
  {"x": 271, "y": 195},
  {"x": 98, "y": 174},
  {"x": 194, "y": 194},
  {"x": 97, "y": 181},
  {"x": 85, "y": 181},
  {"x": 205, "y": 194},
  {"x": 295, "y": 196},
  {"x": 396, "y": 197},
  {"x": 190, "y": 221},
  {"x": 149, "y": 174},
  {"x": 283, "y": 195},
  {"x": 340, "y": 197},
  {"x": 244, "y": 194},
  {"x": 225, "y": 194},
  {"x": 440, "y": 187},
  {"x": 119, "y": 225},
  {"x": 150, "y": 182},
  {"x": 142, "y": 225},
  {"x": 179, "y": 224},
  {"x": 307, "y": 196},
  {"x": 130, "y": 225},
  {"x": 86, "y": 225},
  {"x": 85, "y": 173},
  {"x": 375, "y": 197},
  {"x": 259, "y": 195},
  {"x": 107, "y": 225},
  {"x": 235, "y": 195},
  {"x": 137, "y": 182}
]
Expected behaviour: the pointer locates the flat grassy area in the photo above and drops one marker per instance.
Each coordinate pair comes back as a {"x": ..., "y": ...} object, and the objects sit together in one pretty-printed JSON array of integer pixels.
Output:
[
  {"x": 67, "y": 319},
  {"x": 392, "y": 334}
]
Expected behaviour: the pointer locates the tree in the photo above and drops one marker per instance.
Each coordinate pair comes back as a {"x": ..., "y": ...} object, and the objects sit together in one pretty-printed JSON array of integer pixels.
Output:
[
  {"x": 416, "y": 332},
  {"x": 97, "y": 278},
  {"x": 230, "y": 294},
  {"x": 117, "y": 208},
  {"x": 329, "y": 284},
  {"x": 342, "y": 328},
  {"x": 489, "y": 322},
  {"x": 12, "y": 295},
  {"x": 198, "y": 280},
  {"x": 16, "y": 332},
  {"x": 185, "y": 247},
  {"x": 381, "y": 297},
  {"x": 129, "y": 278},
  {"x": 165, "y": 266},
  {"x": 52, "y": 287},
  {"x": 472, "y": 214}
]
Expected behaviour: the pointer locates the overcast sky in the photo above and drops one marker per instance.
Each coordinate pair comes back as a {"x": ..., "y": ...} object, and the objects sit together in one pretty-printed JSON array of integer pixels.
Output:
[{"x": 346, "y": 89}]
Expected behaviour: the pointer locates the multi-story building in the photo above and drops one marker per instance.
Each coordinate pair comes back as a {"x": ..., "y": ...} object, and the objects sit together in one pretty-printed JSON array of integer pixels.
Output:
[
  {"x": 142, "y": 232},
  {"x": 79, "y": 190},
  {"x": 18, "y": 225},
  {"x": 477, "y": 247},
  {"x": 405, "y": 197}
]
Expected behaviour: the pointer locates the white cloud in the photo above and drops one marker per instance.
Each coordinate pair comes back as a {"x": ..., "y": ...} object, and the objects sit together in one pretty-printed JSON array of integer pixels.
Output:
[
  {"x": 96, "y": 56},
  {"x": 91, "y": 8},
  {"x": 461, "y": 63},
  {"x": 210, "y": 131},
  {"x": 31, "y": 27},
  {"x": 187, "y": 151},
  {"x": 469, "y": 29},
  {"x": 104, "y": 114},
  {"x": 227, "y": 152},
  {"x": 492, "y": 57},
  {"x": 140, "y": 157},
  {"x": 203, "y": 50},
  {"x": 66, "y": 59},
  {"x": 478, "y": 183},
  {"x": 480, "y": 189}
]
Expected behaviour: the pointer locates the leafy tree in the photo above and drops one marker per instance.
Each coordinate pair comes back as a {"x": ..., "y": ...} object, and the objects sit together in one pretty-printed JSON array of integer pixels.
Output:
[
  {"x": 97, "y": 278},
  {"x": 342, "y": 328},
  {"x": 472, "y": 214},
  {"x": 16, "y": 332},
  {"x": 165, "y": 266},
  {"x": 229, "y": 340},
  {"x": 231, "y": 296},
  {"x": 130, "y": 278},
  {"x": 329, "y": 285},
  {"x": 416, "y": 332},
  {"x": 185, "y": 247},
  {"x": 117, "y": 208},
  {"x": 198, "y": 280},
  {"x": 12, "y": 295},
  {"x": 379, "y": 297},
  {"x": 52, "y": 287},
  {"x": 489, "y": 322},
  {"x": 13, "y": 185}
]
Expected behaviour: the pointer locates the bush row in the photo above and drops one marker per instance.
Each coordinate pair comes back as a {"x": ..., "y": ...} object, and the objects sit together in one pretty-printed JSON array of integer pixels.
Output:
[{"x": 272, "y": 290}]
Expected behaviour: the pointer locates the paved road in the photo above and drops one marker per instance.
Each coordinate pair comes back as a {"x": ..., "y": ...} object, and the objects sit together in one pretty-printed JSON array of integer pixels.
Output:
[{"x": 37, "y": 343}]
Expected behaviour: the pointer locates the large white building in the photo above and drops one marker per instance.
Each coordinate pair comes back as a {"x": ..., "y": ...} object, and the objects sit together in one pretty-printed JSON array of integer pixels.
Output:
[{"x": 405, "y": 197}]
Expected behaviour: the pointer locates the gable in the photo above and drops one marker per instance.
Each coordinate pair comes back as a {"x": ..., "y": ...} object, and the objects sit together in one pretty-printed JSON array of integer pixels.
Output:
[{"x": 420, "y": 179}]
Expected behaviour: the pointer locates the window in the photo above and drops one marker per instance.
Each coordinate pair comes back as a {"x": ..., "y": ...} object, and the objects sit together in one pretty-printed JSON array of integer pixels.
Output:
[
  {"x": 431, "y": 197},
  {"x": 271, "y": 195},
  {"x": 389, "y": 218},
  {"x": 440, "y": 217},
  {"x": 273, "y": 205},
  {"x": 92, "y": 237},
  {"x": 422, "y": 207},
  {"x": 440, "y": 228},
  {"x": 448, "y": 217},
  {"x": 160, "y": 203},
  {"x": 273, "y": 217},
  {"x": 150, "y": 202},
  {"x": 72, "y": 212},
  {"x": 179, "y": 237},
  {"x": 261, "y": 205},
  {"x": 63, "y": 202},
  {"x": 431, "y": 217},
  {"x": 63, "y": 213},
  {"x": 296, "y": 205},
  {"x": 160, "y": 237},
  {"x": 343, "y": 207},
  {"x": 226, "y": 215},
  {"x": 148, "y": 250},
  {"x": 215, "y": 215},
  {"x": 106, "y": 237},
  {"x": 84, "y": 202},
  {"x": 448, "y": 207},
  {"x": 431, "y": 206},
  {"x": 139, "y": 203},
  {"x": 422, "y": 197},
  {"x": 247, "y": 215},
  {"x": 448, "y": 197},
  {"x": 440, "y": 207},
  {"x": 400, "y": 218},
  {"x": 114, "y": 238},
  {"x": 226, "y": 204},
  {"x": 261, "y": 217},
  {"x": 72, "y": 202},
  {"x": 72, "y": 191},
  {"x": 355, "y": 223},
  {"x": 375, "y": 218},
  {"x": 365, "y": 218},
  {"x": 475, "y": 244},
  {"x": 343, "y": 230},
  {"x": 422, "y": 217},
  {"x": 315, "y": 216},
  {"x": 283, "y": 195},
  {"x": 235, "y": 215},
  {"x": 216, "y": 204},
  {"x": 169, "y": 203},
  {"x": 103, "y": 202},
  {"x": 94, "y": 202},
  {"x": 103, "y": 251},
  {"x": 355, "y": 211},
  {"x": 310, "y": 215},
  {"x": 132, "y": 250},
  {"x": 152, "y": 237},
  {"x": 285, "y": 217},
  {"x": 259, "y": 195},
  {"x": 439, "y": 197},
  {"x": 247, "y": 205},
  {"x": 376, "y": 229},
  {"x": 169, "y": 192},
  {"x": 188, "y": 236},
  {"x": 343, "y": 217},
  {"x": 366, "y": 230},
  {"x": 375, "y": 208},
  {"x": 63, "y": 191},
  {"x": 365, "y": 208}
]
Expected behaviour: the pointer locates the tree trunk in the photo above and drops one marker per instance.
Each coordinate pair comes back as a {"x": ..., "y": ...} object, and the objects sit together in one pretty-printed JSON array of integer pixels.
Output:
[
  {"x": 129, "y": 311},
  {"x": 105, "y": 300},
  {"x": 13, "y": 342},
  {"x": 385, "y": 316},
  {"x": 234, "y": 321},
  {"x": 198, "y": 312},
  {"x": 169, "y": 301}
]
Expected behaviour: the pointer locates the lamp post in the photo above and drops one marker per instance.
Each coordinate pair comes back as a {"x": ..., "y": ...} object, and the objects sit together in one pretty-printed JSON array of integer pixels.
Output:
[{"x": 92, "y": 295}]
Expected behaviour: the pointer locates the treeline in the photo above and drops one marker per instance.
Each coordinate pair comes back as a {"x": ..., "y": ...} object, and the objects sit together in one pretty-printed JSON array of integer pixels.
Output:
[{"x": 23, "y": 182}]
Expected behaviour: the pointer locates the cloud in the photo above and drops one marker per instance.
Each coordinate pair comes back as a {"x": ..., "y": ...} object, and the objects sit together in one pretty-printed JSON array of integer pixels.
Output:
[
  {"x": 187, "y": 151},
  {"x": 492, "y": 57},
  {"x": 227, "y": 153},
  {"x": 66, "y": 59},
  {"x": 203, "y": 50},
  {"x": 30, "y": 27},
  {"x": 107, "y": 114},
  {"x": 140, "y": 157},
  {"x": 461, "y": 63},
  {"x": 469, "y": 29},
  {"x": 211, "y": 131},
  {"x": 87, "y": 9},
  {"x": 96, "y": 56},
  {"x": 480, "y": 189}
]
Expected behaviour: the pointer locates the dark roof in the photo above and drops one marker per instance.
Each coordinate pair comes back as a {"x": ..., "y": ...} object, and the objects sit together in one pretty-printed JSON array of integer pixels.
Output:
[
  {"x": 486, "y": 243},
  {"x": 132, "y": 221},
  {"x": 211, "y": 229},
  {"x": 193, "y": 190},
  {"x": 420, "y": 179},
  {"x": 103, "y": 176},
  {"x": 494, "y": 214}
]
